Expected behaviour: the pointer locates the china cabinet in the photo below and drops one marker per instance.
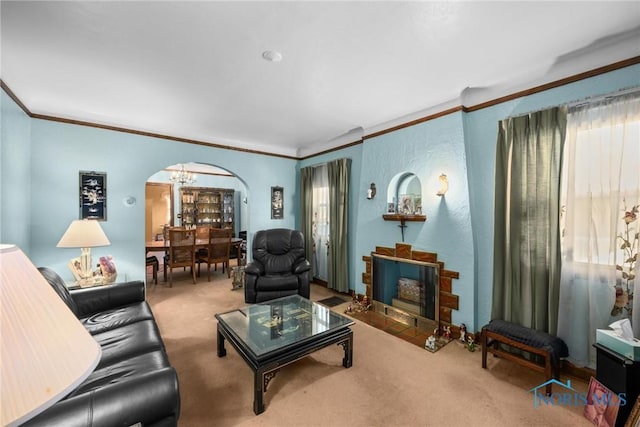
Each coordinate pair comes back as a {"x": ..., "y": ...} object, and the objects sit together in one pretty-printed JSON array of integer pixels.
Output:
[{"x": 207, "y": 206}]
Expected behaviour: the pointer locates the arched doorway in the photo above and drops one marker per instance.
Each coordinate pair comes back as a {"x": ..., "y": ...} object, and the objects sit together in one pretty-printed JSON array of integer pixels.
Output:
[{"x": 169, "y": 201}]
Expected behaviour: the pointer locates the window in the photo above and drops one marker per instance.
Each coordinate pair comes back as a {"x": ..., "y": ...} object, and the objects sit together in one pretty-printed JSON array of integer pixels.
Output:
[{"x": 600, "y": 197}]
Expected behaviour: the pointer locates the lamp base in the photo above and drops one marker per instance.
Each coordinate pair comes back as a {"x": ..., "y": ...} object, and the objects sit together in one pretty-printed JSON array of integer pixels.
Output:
[{"x": 82, "y": 270}]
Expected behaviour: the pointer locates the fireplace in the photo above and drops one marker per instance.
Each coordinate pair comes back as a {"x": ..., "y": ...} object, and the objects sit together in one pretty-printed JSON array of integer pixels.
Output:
[
  {"x": 406, "y": 290},
  {"x": 411, "y": 287}
]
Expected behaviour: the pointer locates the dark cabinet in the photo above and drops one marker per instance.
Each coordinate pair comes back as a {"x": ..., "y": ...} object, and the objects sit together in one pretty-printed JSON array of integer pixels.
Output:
[
  {"x": 620, "y": 375},
  {"x": 207, "y": 206}
]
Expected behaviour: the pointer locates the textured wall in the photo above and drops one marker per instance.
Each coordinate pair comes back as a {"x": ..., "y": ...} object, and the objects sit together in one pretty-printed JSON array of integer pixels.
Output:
[
  {"x": 427, "y": 150},
  {"x": 15, "y": 174},
  {"x": 61, "y": 150}
]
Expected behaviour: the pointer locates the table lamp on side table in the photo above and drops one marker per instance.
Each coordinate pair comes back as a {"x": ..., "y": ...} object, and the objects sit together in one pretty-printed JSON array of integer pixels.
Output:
[
  {"x": 84, "y": 234},
  {"x": 46, "y": 352}
]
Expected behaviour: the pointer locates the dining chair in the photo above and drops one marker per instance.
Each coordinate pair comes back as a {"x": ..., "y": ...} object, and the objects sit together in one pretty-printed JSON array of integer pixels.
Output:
[
  {"x": 202, "y": 234},
  {"x": 217, "y": 251},
  {"x": 152, "y": 261},
  {"x": 182, "y": 252}
]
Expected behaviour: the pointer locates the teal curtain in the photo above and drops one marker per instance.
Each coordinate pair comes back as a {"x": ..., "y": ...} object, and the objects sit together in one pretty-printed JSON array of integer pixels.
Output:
[
  {"x": 338, "y": 171},
  {"x": 306, "y": 213},
  {"x": 526, "y": 235}
]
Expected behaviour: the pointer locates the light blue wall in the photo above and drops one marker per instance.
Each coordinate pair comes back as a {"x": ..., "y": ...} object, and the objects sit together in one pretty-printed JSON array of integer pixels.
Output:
[
  {"x": 42, "y": 160},
  {"x": 427, "y": 149},
  {"x": 61, "y": 150},
  {"x": 481, "y": 133},
  {"x": 459, "y": 226},
  {"x": 15, "y": 174}
]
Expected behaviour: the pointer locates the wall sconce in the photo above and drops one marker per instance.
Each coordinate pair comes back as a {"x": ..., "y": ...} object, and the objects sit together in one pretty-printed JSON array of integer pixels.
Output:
[
  {"x": 371, "y": 191},
  {"x": 444, "y": 185}
]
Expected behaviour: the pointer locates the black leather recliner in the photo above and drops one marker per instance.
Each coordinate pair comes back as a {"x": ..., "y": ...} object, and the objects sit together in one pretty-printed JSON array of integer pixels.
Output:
[{"x": 278, "y": 268}]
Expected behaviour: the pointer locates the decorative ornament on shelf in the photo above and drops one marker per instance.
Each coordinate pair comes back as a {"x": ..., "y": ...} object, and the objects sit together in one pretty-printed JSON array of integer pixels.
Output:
[
  {"x": 182, "y": 177},
  {"x": 629, "y": 247}
]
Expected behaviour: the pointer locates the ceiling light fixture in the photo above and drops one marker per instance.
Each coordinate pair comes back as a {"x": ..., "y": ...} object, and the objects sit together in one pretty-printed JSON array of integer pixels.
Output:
[
  {"x": 272, "y": 56},
  {"x": 182, "y": 177}
]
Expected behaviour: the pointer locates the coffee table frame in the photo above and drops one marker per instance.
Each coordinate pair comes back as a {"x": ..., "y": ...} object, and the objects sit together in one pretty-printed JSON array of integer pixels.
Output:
[{"x": 265, "y": 368}]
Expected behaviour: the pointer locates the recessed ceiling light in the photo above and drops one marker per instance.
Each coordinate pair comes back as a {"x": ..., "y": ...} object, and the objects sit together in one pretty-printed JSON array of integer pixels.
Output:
[{"x": 272, "y": 56}]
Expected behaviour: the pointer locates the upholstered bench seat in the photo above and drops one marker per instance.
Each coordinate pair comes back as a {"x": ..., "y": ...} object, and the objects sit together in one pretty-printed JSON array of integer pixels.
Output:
[{"x": 550, "y": 348}]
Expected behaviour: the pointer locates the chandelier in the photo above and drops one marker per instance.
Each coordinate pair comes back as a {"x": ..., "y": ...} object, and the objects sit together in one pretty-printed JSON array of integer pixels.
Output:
[{"x": 182, "y": 177}]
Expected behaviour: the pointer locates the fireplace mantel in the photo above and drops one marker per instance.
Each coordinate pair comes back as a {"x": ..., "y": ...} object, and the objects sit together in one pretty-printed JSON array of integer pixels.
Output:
[{"x": 402, "y": 218}]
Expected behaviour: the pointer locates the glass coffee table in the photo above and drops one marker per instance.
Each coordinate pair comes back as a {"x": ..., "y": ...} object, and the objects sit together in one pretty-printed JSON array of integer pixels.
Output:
[{"x": 276, "y": 333}]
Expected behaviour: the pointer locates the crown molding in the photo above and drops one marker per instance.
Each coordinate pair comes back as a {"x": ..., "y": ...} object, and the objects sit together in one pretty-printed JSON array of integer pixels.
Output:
[{"x": 389, "y": 127}]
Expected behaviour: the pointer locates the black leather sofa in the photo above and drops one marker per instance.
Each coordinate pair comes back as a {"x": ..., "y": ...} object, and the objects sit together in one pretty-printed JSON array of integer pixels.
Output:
[
  {"x": 134, "y": 383},
  {"x": 279, "y": 267}
]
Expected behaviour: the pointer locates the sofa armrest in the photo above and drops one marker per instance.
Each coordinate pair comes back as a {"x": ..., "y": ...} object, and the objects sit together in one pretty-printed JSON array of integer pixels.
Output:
[
  {"x": 101, "y": 298},
  {"x": 143, "y": 399}
]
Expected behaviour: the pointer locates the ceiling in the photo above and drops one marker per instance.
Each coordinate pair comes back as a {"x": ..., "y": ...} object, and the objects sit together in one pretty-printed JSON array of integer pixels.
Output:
[{"x": 195, "y": 70}]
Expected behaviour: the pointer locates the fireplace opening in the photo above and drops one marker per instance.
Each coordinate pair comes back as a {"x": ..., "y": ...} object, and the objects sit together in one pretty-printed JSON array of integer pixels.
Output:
[{"x": 406, "y": 290}]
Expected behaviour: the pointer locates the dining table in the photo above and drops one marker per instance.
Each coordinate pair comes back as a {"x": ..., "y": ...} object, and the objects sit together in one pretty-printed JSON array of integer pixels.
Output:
[{"x": 163, "y": 245}]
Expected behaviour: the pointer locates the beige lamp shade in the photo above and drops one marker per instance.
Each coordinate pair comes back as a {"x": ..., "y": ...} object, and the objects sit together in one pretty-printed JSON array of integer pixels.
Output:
[
  {"x": 83, "y": 233},
  {"x": 46, "y": 352}
]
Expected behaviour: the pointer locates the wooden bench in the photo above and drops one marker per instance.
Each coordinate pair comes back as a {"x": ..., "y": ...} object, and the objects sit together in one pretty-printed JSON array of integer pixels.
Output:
[{"x": 550, "y": 348}]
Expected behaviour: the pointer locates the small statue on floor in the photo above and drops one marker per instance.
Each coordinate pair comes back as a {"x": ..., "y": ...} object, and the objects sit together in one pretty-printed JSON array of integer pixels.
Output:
[
  {"x": 463, "y": 332},
  {"x": 447, "y": 332},
  {"x": 471, "y": 345},
  {"x": 365, "y": 302},
  {"x": 358, "y": 306},
  {"x": 430, "y": 344}
]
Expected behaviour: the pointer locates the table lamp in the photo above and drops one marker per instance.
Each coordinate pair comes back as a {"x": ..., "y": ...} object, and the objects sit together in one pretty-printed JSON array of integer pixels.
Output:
[
  {"x": 84, "y": 234},
  {"x": 46, "y": 352}
]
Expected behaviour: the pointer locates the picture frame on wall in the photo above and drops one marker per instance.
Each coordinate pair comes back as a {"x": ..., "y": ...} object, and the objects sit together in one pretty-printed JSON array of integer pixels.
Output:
[
  {"x": 277, "y": 203},
  {"x": 93, "y": 195}
]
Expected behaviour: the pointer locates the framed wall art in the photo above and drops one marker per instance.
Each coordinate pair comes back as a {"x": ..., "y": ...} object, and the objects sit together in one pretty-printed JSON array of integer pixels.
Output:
[
  {"x": 93, "y": 195},
  {"x": 277, "y": 204}
]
